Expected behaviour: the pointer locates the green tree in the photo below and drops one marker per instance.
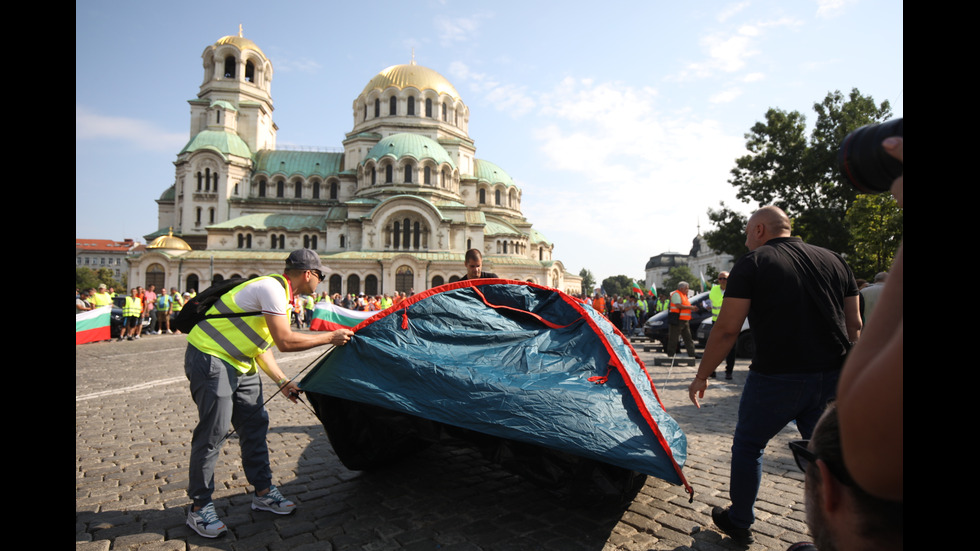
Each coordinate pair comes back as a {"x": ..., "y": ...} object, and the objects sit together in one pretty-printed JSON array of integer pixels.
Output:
[
  {"x": 86, "y": 278},
  {"x": 678, "y": 274},
  {"x": 876, "y": 224},
  {"x": 729, "y": 233},
  {"x": 617, "y": 285},
  {"x": 800, "y": 175},
  {"x": 588, "y": 281}
]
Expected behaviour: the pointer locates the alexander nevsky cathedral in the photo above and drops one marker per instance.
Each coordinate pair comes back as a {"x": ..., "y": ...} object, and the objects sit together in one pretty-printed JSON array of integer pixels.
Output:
[{"x": 395, "y": 210}]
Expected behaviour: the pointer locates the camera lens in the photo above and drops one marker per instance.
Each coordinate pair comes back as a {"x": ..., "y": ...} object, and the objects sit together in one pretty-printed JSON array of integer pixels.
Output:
[{"x": 864, "y": 163}]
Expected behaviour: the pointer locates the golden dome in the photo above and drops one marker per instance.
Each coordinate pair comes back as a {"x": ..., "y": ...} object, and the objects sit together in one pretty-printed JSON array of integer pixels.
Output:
[
  {"x": 169, "y": 242},
  {"x": 240, "y": 42},
  {"x": 411, "y": 76}
]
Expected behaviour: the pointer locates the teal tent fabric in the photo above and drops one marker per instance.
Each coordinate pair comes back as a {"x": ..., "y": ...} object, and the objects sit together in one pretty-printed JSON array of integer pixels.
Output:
[{"x": 512, "y": 360}]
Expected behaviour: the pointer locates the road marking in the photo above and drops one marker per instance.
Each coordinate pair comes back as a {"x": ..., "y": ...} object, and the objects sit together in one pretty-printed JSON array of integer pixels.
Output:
[{"x": 150, "y": 384}]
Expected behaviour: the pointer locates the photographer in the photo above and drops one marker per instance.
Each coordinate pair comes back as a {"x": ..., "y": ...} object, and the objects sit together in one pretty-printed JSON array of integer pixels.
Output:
[{"x": 869, "y": 395}]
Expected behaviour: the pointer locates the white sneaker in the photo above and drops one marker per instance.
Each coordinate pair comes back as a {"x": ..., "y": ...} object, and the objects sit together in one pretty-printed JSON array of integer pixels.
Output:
[
  {"x": 274, "y": 503},
  {"x": 205, "y": 522}
]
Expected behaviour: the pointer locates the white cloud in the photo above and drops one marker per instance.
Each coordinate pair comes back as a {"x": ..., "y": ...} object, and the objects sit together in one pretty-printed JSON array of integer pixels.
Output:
[
  {"x": 753, "y": 77},
  {"x": 508, "y": 98},
  {"x": 144, "y": 135},
  {"x": 831, "y": 8},
  {"x": 726, "y": 96},
  {"x": 732, "y": 10},
  {"x": 456, "y": 30}
]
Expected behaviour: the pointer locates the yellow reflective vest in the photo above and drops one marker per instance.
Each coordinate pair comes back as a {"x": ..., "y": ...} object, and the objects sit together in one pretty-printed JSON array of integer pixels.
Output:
[
  {"x": 239, "y": 340},
  {"x": 717, "y": 296},
  {"x": 133, "y": 307}
]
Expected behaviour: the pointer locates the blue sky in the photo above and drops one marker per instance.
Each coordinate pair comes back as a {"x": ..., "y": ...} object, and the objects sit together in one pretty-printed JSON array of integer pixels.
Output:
[{"x": 620, "y": 121}]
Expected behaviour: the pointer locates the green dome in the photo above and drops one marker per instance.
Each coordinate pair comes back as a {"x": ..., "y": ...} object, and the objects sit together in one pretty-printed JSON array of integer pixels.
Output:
[
  {"x": 410, "y": 145},
  {"x": 492, "y": 174},
  {"x": 226, "y": 143}
]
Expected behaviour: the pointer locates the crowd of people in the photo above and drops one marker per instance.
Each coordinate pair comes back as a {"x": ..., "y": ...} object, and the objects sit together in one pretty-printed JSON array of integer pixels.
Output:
[{"x": 140, "y": 305}]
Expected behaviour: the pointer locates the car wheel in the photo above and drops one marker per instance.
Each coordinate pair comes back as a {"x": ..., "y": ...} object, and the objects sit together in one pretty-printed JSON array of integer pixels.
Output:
[{"x": 745, "y": 346}]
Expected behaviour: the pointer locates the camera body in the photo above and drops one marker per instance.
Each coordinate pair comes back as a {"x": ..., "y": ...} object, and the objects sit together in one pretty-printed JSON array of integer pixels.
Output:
[{"x": 864, "y": 163}]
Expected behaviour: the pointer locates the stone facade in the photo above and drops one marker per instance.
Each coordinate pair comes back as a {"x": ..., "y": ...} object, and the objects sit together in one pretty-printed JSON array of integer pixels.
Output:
[{"x": 394, "y": 209}]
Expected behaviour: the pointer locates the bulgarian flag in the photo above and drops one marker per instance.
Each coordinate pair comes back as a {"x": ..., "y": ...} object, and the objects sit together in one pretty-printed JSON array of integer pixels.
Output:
[
  {"x": 92, "y": 326},
  {"x": 638, "y": 289},
  {"x": 328, "y": 317},
  {"x": 653, "y": 289}
]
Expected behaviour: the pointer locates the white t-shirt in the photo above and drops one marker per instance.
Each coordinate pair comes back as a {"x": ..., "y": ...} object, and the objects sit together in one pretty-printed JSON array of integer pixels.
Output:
[{"x": 265, "y": 295}]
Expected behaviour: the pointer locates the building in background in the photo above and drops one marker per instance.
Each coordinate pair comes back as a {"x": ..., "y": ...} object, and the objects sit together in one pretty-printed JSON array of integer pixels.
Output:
[
  {"x": 394, "y": 209},
  {"x": 104, "y": 253},
  {"x": 699, "y": 259}
]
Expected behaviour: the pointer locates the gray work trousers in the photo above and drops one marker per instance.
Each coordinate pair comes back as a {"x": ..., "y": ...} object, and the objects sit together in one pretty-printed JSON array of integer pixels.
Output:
[{"x": 225, "y": 397}]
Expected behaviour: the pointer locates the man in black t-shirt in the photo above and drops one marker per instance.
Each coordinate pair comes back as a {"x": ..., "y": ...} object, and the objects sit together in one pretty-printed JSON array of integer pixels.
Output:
[
  {"x": 474, "y": 266},
  {"x": 802, "y": 305}
]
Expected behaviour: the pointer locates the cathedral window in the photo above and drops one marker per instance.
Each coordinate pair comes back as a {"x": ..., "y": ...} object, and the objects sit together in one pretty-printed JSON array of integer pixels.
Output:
[
  {"x": 428, "y": 107},
  {"x": 377, "y": 108},
  {"x": 207, "y": 179},
  {"x": 444, "y": 110},
  {"x": 333, "y": 190},
  {"x": 316, "y": 190},
  {"x": 354, "y": 284},
  {"x": 261, "y": 188},
  {"x": 404, "y": 279},
  {"x": 408, "y": 174},
  {"x": 197, "y": 219},
  {"x": 374, "y": 175},
  {"x": 411, "y": 106},
  {"x": 437, "y": 281},
  {"x": 249, "y": 71},
  {"x": 343, "y": 242},
  {"x": 235, "y": 189},
  {"x": 217, "y": 116},
  {"x": 280, "y": 188},
  {"x": 393, "y": 106},
  {"x": 483, "y": 196},
  {"x": 389, "y": 173},
  {"x": 211, "y": 215},
  {"x": 427, "y": 176},
  {"x": 298, "y": 189},
  {"x": 230, "y": 67},
  {"x": 496, "y": 196},
  {"x": 200, "y": 180},
  {"x": 365, "y": 113}
]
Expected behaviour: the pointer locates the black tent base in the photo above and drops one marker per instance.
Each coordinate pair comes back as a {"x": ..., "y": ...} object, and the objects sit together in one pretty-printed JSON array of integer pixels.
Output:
[{"x": 367, "y": 437}]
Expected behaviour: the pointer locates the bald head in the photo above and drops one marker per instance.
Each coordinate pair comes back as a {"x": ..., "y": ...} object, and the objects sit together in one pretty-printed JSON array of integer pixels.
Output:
[{"x": 765, "y": 224}]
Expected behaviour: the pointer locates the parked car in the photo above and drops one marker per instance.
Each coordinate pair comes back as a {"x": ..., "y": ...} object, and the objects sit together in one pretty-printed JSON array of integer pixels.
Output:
[
  {"x": 744, "y": 346},
  {"x": 656, "y": 328}
]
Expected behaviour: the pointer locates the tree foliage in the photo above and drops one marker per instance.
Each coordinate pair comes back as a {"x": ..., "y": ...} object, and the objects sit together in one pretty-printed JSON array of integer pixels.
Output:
[
  {"x": 588, "y": 281},
  {"x": 800, "y": 174},
  {"x": 729, "y": 233},
  {"x": 87, "y": 278},
  {"x": 618, "y": 285},
  {"x": 678, "y": 274},
  {"x": 876, "y": 225}
]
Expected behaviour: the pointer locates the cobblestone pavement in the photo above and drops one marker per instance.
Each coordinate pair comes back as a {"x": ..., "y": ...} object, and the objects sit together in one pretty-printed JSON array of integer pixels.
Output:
[{"x": 133, "y": 423}]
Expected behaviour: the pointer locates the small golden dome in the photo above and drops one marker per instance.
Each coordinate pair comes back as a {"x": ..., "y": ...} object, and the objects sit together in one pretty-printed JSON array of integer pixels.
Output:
[
  {"x": 169, "y": 242},
  {"x": 411, "y": 76},
  {"x": 240, "y": 42}
]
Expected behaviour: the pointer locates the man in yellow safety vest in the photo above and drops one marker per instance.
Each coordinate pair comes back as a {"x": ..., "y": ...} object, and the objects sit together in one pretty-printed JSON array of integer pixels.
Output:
[{"x": 224, "y": 353}]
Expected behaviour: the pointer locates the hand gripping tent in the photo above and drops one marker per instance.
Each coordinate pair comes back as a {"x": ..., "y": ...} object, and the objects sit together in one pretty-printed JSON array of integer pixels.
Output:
[{"x": 536, "y": 379}]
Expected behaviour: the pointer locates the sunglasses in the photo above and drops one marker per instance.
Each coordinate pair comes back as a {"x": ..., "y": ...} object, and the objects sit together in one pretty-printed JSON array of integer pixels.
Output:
[{"x": 803, "y": 457}]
